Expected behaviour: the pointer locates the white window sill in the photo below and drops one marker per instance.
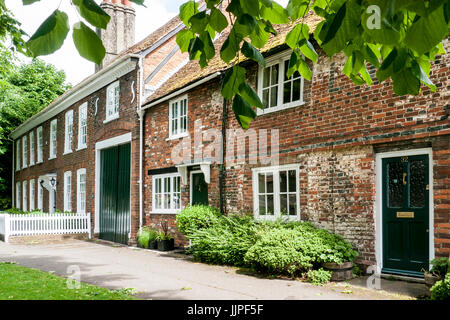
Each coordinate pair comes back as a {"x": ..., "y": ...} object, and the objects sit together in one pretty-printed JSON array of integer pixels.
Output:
[
  {"x": 178, "y": 136},
  {"x": 81, "y": 148},
  {"x": 111, "y": 118},
  {"x": 67, "y": 152},
  {"x": 276, "y": 217},
  {"x": 24, "y": 167},
  {"x": 31, "y": 164},
  {"x": 51, "y": 158},
  {"x": 165, "y": 212},
  {"x": 39, "y": 162},
  {"x": 261, "y": 112}
]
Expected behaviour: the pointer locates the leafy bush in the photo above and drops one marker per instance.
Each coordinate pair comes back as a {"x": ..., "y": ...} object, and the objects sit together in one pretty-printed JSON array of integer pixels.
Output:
[
  {"x": 318, "y": 277},
  {"x": 441, "y": 289},
  {"x": 144, "y": 237},
  {"x": 440, "y": 266},
  {"x": 193, "y": 218},
  {"x": 161, "y": 235},
  {"x": 14, "y": 211}
]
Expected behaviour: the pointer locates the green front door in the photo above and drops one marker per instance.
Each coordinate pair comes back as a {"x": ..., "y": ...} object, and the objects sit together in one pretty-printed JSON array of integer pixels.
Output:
[
  {"x": 199, "y": 189},
  {"x": 115, "y": 193},
  {"x": 405, "y": 215}
]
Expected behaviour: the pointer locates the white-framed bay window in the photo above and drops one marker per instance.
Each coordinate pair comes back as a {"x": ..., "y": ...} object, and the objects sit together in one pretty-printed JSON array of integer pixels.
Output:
[
  {"x": 40, "y": 145},
  {"x": 178, "y": 119},
  {"x": 32, "y": 194},
  {"x": 18, "y": 155},
  {"x": 81, "y": 190},
  {"x": 166, "y": 193},
  {"x": 18, "y": 197},
  {"x": 24, "y": 196},
  {"x": 275, "y": 89},
  {"x": 24, "y": 152},
  {"x": 31, "y": 148},
  {"x": 53, "y": 133},
  {"x": 112, "y": 101},
  {"x": 40, "y": 203},
  {"x": 68, "y": 132},
  {"x": 82, "y": 126},
  {"x": 68, "y": 191},
  {"x": 276, "y": 192}
]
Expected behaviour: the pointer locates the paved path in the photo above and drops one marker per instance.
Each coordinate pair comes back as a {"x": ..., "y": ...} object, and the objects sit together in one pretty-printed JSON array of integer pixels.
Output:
[{"x": 162, "y": 276}]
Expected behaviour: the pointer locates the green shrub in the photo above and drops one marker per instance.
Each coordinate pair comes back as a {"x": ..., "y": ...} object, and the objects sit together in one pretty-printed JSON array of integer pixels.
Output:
[
  {"x": 441, "y": 289},
  {"x": 144, "y": 237},
  {"x": 14, "y": 211},
  {"x": 161, "y": 235},
  {"x": 440, "y": 266},
  {"x": 318, "y": 277},
  {"x": 193, "y": 218}
]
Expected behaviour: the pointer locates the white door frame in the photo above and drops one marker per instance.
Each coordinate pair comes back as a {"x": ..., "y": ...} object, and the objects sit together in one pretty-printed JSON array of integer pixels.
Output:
[
  {"x": 379, "y": 203},
  {"x": 99, "y": 146}
]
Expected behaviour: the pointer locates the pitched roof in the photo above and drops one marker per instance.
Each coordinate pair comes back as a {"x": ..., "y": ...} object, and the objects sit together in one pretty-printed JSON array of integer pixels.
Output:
[{"x": 192, "y": 71}]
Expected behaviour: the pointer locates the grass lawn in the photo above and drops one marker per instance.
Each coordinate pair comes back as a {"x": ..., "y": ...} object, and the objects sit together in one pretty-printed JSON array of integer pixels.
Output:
[{"x": 22, "y": 283}]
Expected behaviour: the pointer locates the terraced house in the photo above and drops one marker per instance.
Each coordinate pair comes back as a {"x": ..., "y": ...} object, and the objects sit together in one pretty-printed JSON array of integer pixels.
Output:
[{"x": 357, "y": 160}]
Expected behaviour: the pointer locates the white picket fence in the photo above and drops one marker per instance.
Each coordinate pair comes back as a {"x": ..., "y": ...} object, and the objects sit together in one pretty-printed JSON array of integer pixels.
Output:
[{"x": 44, "y": 224}]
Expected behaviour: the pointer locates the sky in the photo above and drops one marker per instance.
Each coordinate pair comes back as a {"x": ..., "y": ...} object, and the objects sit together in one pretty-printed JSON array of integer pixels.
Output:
[{"x": 67, "y": 58}]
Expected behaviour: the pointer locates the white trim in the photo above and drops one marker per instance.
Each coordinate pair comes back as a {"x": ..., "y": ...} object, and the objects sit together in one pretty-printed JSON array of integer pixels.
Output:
[
  {"x": 32, "y": 195},
  {"x": 178, "y": 100},
  {"x": 88, "y": 86},
  {"x": 82, "y": 110},
  {"x": 122, "y": 139},
  {"x": 40, "y": 191},
  {"x": 68, "y": 121},
  {"x": 163, "y": 176},
  {"x": 276, "y": 191},
  {"x": 111, "y": 102},
  {"x": 379, "y": 204},
  {"x": 79, "y": 173},
  {"x": 25, "y": 195}
]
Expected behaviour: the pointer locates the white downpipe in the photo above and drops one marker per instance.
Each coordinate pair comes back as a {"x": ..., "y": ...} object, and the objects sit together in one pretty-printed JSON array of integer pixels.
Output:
[{"x": 141, "y": 121}]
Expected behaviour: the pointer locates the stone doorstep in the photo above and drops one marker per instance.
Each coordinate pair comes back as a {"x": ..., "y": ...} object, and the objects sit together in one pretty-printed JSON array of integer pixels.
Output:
[
  {"x": 402, "y": 278},
  {"x": 46, "y": 238}
]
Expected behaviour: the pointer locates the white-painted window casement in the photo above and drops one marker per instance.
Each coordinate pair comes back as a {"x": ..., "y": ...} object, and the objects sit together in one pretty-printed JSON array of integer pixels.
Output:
[
  {"x": 112, "y": 101},
  {"x": 18, "y": 198},
  {"x": 81, "y": 190},
  {"x": 166, "y": 193},
  {"x": 31, "y": 148},
  {"x": 53, "y": 133},
  {"x": 40, "y": 203},
  {"x": 40, "y": 145},
  {"x": 24, "y": 196},
  {"x": 178, "y": 119},
  {"x": 276, "y": 192},
  {"x": 24, "y": 152},
  {"x": 68, "y": 191},
  {"x": 68, "y": 136},
  {"x": 82, "y": 126},
  {"x": 18, "y": 155},
  {"x": 275, "y": 89},
  {"x": 32, "y": 194}
]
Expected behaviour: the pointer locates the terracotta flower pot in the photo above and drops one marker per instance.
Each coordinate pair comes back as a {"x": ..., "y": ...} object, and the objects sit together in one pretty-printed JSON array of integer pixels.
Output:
[{"x": 341, "y": 272}]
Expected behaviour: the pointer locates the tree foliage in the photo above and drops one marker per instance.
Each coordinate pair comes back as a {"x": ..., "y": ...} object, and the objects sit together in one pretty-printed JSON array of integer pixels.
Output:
[
  {"x": 400, "y": 38},
  {"x": 24, "y": 91}
]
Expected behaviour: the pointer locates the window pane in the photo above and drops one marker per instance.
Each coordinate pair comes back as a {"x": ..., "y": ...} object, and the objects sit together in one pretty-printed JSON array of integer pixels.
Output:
[
  {"x": 158, "y": 201},
  {"x": 395, "y": 184},
  {"x": 270, "y": 205},
  {"x": 269, "y": 182},
  {"x": 262, "y": 205},
  {"x": 286, "y": 68},
  {"x": 283, "y": 181},
  {"x": 265, "y": 99},
  {"x": 283, "y": 204},
  {"x": 274, "y": 74},
  {"x": 266, "y": 77},
  {"x": 293, "y": 204},
  {"x": 261, "y": 183},
  {"x": 296, "y": 90},
  {"x": 273, "y": 96},
  {"x": 287, "y": 92},
  {"x": 417, "y": 186},
  {"x": 292, "y": 181}
]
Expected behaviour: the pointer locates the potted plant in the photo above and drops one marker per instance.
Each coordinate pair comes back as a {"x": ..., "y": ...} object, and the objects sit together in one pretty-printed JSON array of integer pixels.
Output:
[
  {"x": 340, "y": 260},
  {"x": 143, "y": 237},
  {"x": 439, "y": 269},
  {"x": 152, "y": 241},
  {"x": 164, "y": 239}
]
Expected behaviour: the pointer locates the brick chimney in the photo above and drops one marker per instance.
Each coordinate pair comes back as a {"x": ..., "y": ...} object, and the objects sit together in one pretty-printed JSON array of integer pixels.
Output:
[{"x": 119, "y": 34}]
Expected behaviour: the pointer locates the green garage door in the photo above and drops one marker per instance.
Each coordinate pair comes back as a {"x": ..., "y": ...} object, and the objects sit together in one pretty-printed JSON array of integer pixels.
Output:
[{"x": 115, "y": 194}]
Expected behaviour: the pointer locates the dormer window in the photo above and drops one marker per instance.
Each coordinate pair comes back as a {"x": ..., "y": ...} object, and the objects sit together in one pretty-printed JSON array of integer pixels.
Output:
[{"x": 112, "y": 101}]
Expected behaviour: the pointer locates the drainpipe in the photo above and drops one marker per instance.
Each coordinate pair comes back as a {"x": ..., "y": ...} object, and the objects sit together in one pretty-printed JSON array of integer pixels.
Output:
[
  {"x": 141, "y": 122},
  {"x": 222, "y": 165}
]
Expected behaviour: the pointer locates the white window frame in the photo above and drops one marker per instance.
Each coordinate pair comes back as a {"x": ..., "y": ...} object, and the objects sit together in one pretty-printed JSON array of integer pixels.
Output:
[
  {"x": 278, "y": 59},
  {"x": 68, "y": 132},
  {"x": 24, "y": 152},
  {"x": 32, "y": 194},
  {"x": 112, "y": 101},
  {"x": 40, "y": 203},
  {"x": 18, "y": 203},
  {"x": 178, "y": 118},
  {"x": 31, "y": 148},
  {"x": 68, "y": 191},
  {"x": 18, "y": 153},
  {"x": 79, "y": 195},
  {"x": 82, "y": 126},
  {"x": 170, "y": 210},
  {"x": 24, "y": 196},
  {"x": 276, "y": 191},
  {"x": 40, "y": 145},
  {"x": 53, "y": 139}
]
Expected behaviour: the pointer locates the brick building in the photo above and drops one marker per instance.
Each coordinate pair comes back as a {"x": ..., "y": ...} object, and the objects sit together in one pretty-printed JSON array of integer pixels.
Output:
[{"x": 357, "y": 160}]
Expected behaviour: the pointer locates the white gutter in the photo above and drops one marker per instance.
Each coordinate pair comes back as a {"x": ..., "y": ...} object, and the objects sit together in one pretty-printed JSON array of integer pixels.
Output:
[{"x": 182, "y": 90}]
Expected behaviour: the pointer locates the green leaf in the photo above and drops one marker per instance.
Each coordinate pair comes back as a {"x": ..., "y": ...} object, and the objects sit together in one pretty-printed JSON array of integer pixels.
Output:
[
  {"x": 243, "y": 111},
  {"x": 92, "y": 12},
  {"x": 218, "y": 21},
  {"x": 187, "y": 10},
  {"x": 370, "y": 56},
  {"x": 139, "y": 2},
  {"x": 199, "y": 21},
  {"x": 230, "y": 47},
  {"x": 405, "y": 82},
  {"x": 357, "y": 62},
  {"x": 297, "y": 63},
  {"x": 87, "y": 42},
  {"x": 277, "y": 14},
  {"x": 400, "y": 60},
  {"x": 252, "y": 53},
  {"x": 233, "y": 78},
  {"x": 50, "y": 35},
  {"x": 250, "y": 95},
  {"x": 309, "y": 51},
  {"x": 250, "y": 6},
  {"x": 208, "y": 45},
  {"x": 385, "y": 70},
  {"x": 196, "y": 49},
  {"x": 298, "y": 33},
  {"x": 245, "y": 25},
  {"x": 27, "y": 2},
  {"x": 259, "y": 36},
  {"x": 427, "y": 32},
  {"x": 365, "y": 75},
  {"x": 297, "y": 9},
  {"x": 420, "y": 74},
  {"x": 184, "y": 38}
]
